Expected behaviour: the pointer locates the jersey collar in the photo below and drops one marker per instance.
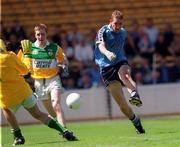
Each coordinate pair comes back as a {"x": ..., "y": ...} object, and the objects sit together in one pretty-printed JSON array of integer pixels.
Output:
[
  {"x": 36, "y": 44},
  {"x": 110, "y": 28}
]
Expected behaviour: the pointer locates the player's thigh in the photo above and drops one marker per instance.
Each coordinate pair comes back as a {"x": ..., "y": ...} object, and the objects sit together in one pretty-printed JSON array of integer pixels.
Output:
[
  {"x": 124, "y": 70},
  {"x": 29, "y": 102},
  {"x": 55, "y": 90},
  {"x": 116, "y": 91},
  {"x": 15, "y": 108},
  {"x": 41, "y": 90}
]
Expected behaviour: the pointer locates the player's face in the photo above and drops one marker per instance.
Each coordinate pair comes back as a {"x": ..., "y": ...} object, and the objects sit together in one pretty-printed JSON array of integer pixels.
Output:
[
  {"x": 116, "y": 24},
  {"x": 41, "y": 36}
]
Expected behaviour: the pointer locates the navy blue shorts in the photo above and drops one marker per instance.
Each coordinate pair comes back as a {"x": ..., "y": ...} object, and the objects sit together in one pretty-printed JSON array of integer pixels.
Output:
[{"x": 110, "y": 74}]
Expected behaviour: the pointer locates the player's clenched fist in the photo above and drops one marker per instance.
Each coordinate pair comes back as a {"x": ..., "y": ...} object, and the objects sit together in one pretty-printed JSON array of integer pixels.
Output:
[
  {"x": 110, "y": 55},
  {"x": 26, "y": 46}
]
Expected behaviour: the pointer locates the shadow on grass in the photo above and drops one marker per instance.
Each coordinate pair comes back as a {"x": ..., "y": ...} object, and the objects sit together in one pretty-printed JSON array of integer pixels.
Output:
[
  {"x": 49, "y": 142},
  {"x": 167, "y": 132}
]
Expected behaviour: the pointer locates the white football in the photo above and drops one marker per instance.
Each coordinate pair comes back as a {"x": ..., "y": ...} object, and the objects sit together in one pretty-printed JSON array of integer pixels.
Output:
[{"x": 73, "y": 101}]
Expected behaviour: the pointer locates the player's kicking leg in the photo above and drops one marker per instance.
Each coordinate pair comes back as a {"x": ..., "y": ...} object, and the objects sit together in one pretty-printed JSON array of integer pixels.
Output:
[{"x": 125, "y": 76}]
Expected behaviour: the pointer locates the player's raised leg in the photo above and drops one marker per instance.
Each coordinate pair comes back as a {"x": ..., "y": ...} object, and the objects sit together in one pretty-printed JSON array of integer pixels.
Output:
[{"x": 125, "y": 76}]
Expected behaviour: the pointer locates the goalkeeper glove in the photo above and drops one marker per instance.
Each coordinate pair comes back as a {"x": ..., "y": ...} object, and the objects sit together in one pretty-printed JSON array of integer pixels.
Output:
[
  {"x": 26, "y": 46},
  {"x": 2, "y": 45}
]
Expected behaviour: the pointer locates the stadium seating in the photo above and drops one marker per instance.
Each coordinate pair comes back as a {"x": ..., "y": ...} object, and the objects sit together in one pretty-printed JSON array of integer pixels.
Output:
[{"x": 88, "y": 13}]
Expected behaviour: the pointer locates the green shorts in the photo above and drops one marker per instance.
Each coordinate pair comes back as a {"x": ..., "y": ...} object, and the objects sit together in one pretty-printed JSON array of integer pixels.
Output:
[{"x": 27, "y": 103}]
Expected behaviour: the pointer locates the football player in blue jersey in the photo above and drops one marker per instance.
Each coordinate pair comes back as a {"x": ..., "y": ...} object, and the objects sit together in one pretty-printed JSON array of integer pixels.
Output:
[{"x": 114, "y": 67}]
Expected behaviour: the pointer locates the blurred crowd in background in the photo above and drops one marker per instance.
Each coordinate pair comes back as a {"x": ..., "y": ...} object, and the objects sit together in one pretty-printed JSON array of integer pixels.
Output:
[{"x": 153, "y": 54}]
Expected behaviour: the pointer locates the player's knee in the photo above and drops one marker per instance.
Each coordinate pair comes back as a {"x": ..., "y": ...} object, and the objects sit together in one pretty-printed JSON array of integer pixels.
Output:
[{"x": 123, "y": 76}]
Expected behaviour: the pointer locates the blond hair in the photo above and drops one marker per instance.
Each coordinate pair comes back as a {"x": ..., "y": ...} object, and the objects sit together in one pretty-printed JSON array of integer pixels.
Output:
[
  {"x": 116, "y": 14},
  {"x": 40, "y": 26}
]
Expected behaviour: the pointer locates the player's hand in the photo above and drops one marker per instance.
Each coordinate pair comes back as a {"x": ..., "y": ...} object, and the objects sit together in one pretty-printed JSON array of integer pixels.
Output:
[
  {"x": 26, "y": 46},
  {"x": 2, "y": 45},
  {"x": 65, "y": 69},
  {"x": 111, "y": 56}
]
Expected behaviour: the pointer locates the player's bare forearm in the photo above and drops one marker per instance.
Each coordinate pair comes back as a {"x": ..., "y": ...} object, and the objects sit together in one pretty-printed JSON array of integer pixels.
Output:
[
  {"x": 110, "y": 55},
  {"x": 103, "y": 49}
]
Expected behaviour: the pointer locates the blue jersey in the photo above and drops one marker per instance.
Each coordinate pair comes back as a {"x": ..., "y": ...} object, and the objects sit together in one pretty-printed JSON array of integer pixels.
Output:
[{"x": 114, "y": 42}]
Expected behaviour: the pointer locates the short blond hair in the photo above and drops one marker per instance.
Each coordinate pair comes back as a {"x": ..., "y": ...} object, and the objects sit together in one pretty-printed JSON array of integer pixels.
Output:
[
  {"x": 40, "y": 26},
  {"x": 117, "y": 14}
]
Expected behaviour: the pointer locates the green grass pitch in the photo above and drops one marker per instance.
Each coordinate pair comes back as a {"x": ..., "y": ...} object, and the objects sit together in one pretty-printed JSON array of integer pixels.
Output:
[{"x": 160, "y": 132}]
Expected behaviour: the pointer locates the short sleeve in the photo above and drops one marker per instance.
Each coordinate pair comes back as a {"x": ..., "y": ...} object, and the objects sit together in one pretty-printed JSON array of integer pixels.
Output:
[
  {"x": 100, "y": 35},
  {"x": 59, "y": 55}
]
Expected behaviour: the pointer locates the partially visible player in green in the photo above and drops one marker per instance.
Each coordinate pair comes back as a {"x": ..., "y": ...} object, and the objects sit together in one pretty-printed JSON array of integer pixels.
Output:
[{"x": 15, "y": 92}]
